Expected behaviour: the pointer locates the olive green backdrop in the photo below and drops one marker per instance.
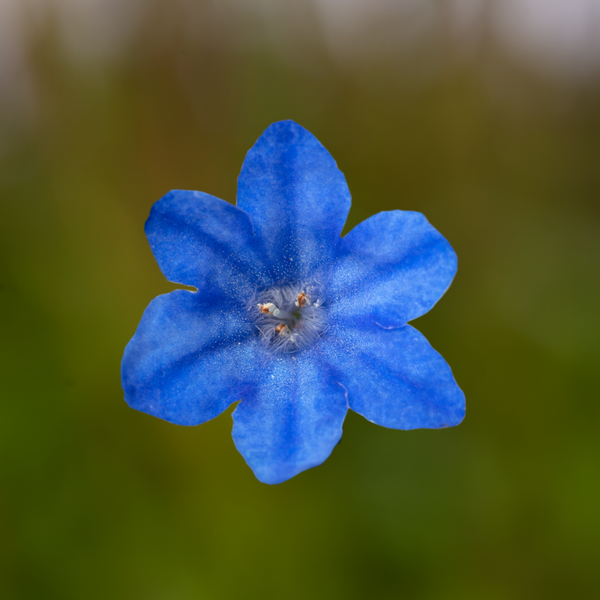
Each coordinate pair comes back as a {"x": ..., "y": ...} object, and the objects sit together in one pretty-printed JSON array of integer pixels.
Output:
[{"x": 99, "y": 501}]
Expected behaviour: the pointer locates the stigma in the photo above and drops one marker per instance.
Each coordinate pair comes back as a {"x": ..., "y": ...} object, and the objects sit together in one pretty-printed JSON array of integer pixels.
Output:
[{"x": 289, "y": 317}]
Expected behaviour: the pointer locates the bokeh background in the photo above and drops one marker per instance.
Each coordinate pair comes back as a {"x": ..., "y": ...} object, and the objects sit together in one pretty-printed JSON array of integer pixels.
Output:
[{"x": 482, "y": 114}]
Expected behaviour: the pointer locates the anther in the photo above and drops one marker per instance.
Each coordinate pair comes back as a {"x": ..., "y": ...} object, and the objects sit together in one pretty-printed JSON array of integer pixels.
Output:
[
  {"x": 302, "y": 300},
  {"x": 269, "y": 308},
  {"x": 283, "y": 330}
]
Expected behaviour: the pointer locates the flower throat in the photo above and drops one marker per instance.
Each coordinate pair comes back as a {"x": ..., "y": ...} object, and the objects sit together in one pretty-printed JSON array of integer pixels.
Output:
[{"x": 289, "y": 317}]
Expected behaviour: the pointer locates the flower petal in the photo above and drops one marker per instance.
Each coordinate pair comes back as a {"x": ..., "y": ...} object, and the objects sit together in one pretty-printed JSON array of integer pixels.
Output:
[
  {"x": 392, "y": 268},
  {"x": 293, "y": 420},
  {"x": 297, "y": 198},
  {"x": 394, "y": 377},
  {"x": 200, "y": 240},
  {"x": 189, "y": 359}
]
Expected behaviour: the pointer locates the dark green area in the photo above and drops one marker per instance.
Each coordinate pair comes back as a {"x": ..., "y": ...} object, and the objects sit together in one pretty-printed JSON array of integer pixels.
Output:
[{"x": 98, "y": 501}]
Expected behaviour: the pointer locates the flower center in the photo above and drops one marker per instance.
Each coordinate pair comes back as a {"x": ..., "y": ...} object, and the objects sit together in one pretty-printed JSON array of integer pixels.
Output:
[{"x": 290, "y": 317}]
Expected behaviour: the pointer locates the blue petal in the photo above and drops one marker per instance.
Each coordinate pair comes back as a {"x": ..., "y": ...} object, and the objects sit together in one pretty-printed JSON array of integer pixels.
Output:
[
  {"x": 292, "y": 420},
  {"x": 205, "y": 242},
  {"x": 297, "y": 198},
  {"x": 394, "y": 377},
  {"x": 392, "y": 268},
  {"x": 189, "y": 359}
]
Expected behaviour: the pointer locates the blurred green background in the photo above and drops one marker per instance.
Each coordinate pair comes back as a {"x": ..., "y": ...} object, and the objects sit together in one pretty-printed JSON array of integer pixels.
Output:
[{"x": 426, "y": 106}]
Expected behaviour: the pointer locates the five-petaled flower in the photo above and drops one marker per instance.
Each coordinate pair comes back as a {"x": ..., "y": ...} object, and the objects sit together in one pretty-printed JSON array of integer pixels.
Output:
[{"x": 293, "y": 319}]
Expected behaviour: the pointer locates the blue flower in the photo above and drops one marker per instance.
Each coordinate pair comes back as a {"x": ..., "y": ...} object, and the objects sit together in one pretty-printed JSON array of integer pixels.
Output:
[{"x": 294, "y": 320}]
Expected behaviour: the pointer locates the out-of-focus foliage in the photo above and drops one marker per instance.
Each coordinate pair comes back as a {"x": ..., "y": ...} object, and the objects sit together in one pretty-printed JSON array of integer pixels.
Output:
[{"x": 98, "y": 501}]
